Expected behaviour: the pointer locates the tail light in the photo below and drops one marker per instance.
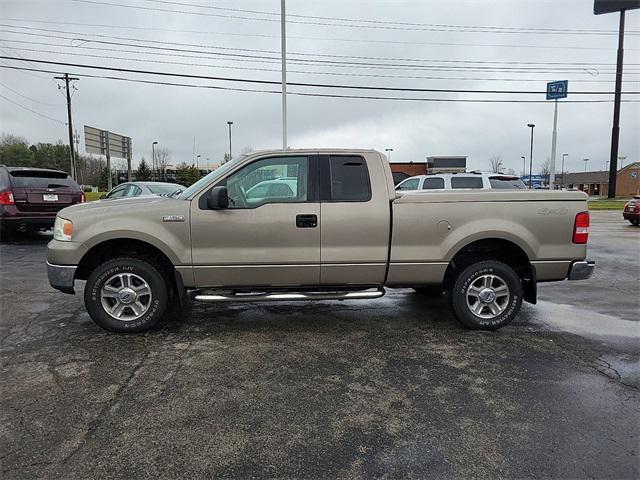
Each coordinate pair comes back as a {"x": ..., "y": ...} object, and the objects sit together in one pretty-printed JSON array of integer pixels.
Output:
[
  {"x": 581, "y": 228},
  {"x": 6, "y": 198},
  {"x": 83, "y": 197}
]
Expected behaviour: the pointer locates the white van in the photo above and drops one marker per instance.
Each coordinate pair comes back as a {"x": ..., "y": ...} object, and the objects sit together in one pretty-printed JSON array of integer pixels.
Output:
[{"x": 456, "y": 181}]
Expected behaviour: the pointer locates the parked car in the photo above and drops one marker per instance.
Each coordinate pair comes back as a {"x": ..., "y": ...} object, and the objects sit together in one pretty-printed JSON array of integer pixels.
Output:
[
  {"x": 277, "y": 188},
  {"x": 631, "y": 210},
  {"x": 345, "y": 235},
  {"x": 472, "y": 180},
  {"x": 136, "y": 189},
  {"x": 30, "y": 198}
]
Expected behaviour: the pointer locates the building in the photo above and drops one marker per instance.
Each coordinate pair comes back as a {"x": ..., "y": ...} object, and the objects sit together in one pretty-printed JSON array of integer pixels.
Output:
[
  {"x": 435, "y": 164},
  {"x": 597, "y": 183}
]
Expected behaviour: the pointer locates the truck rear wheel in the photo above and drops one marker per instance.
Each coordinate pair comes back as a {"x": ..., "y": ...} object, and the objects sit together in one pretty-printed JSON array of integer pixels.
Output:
[
  {"x": 126, "y": 295},
  {"x": 486, "y": 295}
]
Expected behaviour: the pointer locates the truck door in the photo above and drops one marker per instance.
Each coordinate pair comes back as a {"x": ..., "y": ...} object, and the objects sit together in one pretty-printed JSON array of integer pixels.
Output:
[
  {"x": 355, "y": 213},
  {"x": 270, "y": 233}
]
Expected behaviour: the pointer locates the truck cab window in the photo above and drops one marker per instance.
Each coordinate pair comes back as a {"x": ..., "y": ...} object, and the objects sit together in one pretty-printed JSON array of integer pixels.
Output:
[
  {"x": 349, "y": 179},
  {"x": 270, "y": 180}
]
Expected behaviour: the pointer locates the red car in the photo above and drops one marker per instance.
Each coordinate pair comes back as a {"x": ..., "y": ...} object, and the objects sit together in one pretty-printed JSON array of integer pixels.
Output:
[
  {"x": 631, "y": 210},
  {"x": 30, "y": 198}
]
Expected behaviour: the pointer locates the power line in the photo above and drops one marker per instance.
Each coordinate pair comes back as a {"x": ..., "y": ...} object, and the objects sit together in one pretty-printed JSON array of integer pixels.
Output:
[
  {"x": 304, "y": 94},
  {"x": 29, "y": 98},
  {"x": 299, "y": 84},
  {"x": 218, "y": 47},
  {"x": 333, "y": 63},
  {"x": 30, "y": 110},
  {"x": 379, "y": 22},
  {"x": 315, "y": 39},
  {"x": 274, "y": 70},
  {"x": 319, "y": 23}
]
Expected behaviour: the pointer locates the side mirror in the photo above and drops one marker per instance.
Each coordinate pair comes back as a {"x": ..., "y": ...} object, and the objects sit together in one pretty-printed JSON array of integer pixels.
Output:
[{"x": 218, "y": 198}]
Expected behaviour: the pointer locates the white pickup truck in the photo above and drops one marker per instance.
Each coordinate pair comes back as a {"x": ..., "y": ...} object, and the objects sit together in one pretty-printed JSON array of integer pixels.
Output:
[{"x": 316, "y": 224}]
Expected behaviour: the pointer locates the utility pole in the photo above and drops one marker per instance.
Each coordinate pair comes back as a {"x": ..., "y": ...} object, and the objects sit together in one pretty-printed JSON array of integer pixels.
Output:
[
  {"x": 72, "y": 157},
  {"x": 615, "y": 131},
  {"x": 284, "y": 72}
]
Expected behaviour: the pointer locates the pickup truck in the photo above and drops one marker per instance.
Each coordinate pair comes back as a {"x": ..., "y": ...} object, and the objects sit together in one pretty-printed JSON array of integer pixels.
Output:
[{"x": 338, "y": 232}]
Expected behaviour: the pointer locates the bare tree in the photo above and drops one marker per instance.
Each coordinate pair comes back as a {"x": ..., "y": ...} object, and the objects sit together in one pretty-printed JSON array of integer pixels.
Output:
[
  {"x": 496, "y": 163},
  {"x": 163, "y": 158},
  {"x": 545, "y": 170}
]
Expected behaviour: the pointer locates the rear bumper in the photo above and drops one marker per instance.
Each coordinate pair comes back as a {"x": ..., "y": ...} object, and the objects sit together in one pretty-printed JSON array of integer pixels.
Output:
[
  {"x": 581, "y": 270},
  {"x": 61, "y": 277},
  {"x": 630, "y": 215}
]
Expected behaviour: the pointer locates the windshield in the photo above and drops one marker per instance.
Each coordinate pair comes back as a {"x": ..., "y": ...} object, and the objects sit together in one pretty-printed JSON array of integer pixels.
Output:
[
  {"x": 209, "y": 178},
  {"x": 166, "y": 188}
]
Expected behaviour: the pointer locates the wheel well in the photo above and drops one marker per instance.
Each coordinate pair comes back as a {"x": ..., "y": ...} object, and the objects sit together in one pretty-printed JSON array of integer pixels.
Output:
[
  {"x": 494, "y": 249},
  {"x": 126, "y": 247}
]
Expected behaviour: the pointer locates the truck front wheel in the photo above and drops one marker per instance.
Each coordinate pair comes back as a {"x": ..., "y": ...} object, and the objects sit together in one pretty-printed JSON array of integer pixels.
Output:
[
  {"x": 126, "y": 295},
  {"x": 486, "y": 295}
]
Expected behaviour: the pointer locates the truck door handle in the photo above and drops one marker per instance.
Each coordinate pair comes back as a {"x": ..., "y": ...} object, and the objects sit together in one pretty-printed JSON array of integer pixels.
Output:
[{"x": 306, "y": 221}]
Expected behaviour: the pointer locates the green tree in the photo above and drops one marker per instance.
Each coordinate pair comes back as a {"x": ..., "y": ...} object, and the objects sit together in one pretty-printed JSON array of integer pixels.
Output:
[
  {"x": 144, "y": 172},
  {"x": 187, "y": 174}
]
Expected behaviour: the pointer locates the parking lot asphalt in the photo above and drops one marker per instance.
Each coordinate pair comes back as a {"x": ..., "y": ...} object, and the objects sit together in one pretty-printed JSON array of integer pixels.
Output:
[{"x": 325, "y": 390}]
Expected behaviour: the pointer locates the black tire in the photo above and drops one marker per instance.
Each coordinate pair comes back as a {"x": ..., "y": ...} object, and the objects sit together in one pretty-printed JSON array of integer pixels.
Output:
[
  {"x": 156, "y": 301},
  {"x": 507, "y": 303},
  {"x": 635, "y": 223}
]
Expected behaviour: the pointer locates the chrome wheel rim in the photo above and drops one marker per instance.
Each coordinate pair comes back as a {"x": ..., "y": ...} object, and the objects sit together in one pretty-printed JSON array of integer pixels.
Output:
[
  {"x": 126, "y": 296},
  {"x": 488, "y": 296}
]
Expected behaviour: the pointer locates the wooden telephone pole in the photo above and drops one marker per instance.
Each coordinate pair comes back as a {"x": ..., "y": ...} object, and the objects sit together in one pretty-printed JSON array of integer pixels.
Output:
[{"x": 72, "y": 157}]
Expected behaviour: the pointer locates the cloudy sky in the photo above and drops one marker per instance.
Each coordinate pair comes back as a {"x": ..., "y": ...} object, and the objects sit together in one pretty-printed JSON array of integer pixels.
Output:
[{"x": 401, "y": 44}]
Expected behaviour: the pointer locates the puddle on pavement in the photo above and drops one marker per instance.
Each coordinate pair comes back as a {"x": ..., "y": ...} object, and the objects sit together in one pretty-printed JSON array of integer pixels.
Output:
[{"x": 585, "y": 323}]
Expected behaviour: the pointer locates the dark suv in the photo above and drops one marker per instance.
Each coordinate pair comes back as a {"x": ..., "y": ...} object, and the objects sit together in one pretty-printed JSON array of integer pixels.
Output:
[{"x": 31, "y": 197}]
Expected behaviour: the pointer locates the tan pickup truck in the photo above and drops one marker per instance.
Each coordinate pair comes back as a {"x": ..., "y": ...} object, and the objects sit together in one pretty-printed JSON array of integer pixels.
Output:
[{"x": 316, "y": 225}]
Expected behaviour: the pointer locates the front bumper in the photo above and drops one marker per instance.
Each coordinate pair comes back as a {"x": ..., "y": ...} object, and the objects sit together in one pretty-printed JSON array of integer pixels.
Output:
[
  {"x": 581, "y": 270},
  {"x": 61, "y": 277}
]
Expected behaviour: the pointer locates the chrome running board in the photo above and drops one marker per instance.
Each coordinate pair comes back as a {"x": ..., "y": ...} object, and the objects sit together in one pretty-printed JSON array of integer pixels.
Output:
[{"x": 288, "y": 296}]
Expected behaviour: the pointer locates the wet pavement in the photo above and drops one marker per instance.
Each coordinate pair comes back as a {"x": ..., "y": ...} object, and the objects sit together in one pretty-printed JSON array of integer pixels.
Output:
[{"x": 330, "y": 389}]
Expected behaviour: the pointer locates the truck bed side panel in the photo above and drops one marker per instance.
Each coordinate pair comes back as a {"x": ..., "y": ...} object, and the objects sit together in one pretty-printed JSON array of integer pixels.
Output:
[{"x": 430, "y": 228}]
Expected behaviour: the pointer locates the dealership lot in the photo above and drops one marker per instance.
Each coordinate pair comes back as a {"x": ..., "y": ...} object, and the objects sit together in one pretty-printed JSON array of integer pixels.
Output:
[{"x": 328, "y": 389}]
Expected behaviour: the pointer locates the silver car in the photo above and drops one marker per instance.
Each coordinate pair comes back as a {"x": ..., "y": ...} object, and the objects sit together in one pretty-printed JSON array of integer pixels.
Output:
[{"x": 136, "y": 189}]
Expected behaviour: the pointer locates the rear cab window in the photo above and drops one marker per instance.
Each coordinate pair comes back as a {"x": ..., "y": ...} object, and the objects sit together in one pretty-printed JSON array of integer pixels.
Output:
[
  {"x": 348, "y": 179},
  {"x": 466, "y": 182}
]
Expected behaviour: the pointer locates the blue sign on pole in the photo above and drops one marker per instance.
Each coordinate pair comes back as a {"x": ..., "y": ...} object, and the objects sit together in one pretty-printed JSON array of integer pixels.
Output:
[{"x": 556, "y": 90}]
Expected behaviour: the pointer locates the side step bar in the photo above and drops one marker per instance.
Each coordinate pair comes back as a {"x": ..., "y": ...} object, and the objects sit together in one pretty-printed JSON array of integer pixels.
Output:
[{"x": 288, "y": 296}]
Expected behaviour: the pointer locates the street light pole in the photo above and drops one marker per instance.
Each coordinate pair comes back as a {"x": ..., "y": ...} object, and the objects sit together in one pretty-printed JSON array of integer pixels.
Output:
[
  {"x": 564, "y": 155},
  {"x": 531, "y": 126},
  {"x": 283, "y": 39},
  {"x": 153, "y": 160},
  {"x": 198, "y": 161},
  {"x": 229, "y": 123},
  {"x": 524, "y": 165},
  {"x": 388, "y": 150},
  {"x": 585, "y": 160}
]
